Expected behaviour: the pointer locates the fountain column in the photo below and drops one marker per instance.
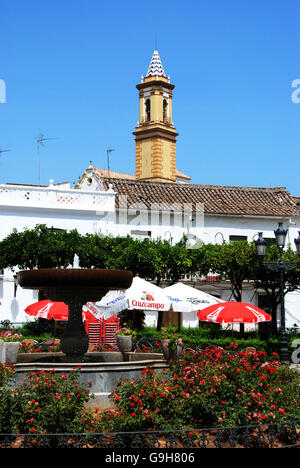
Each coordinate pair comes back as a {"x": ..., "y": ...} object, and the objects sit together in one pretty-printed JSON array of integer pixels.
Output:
[
  {"x": 75, "y": 341},
  {"x": 75, "y": 287}
]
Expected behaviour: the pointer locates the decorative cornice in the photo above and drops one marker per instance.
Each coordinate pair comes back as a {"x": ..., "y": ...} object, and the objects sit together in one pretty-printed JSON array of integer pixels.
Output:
[
  {"x": 143, "y": 133},
  {"x": 154, "y": 82}
]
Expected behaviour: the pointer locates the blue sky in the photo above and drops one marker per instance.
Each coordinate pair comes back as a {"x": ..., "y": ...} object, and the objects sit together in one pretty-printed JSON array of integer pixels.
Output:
[{"x": 71, "y": 68}]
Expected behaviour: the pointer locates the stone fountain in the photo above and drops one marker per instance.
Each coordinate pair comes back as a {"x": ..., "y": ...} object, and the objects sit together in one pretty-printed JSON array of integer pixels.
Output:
[{"x": 75, "y": 287}]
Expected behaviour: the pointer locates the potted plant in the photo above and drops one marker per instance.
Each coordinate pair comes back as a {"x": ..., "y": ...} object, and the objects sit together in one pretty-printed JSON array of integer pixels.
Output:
[
  {"x": 124, "y": 339},
  {"x": 171, "y": 345},
  {"x": 11, "y": 351},
  {"x": 9, "y": 348}
]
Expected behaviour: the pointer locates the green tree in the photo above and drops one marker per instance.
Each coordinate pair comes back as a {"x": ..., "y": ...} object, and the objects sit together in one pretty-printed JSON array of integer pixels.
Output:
[
  {"x": 269, "y": 281},
  {"x": 236, "y": 261},
  {"x": 40, "y": 247}
]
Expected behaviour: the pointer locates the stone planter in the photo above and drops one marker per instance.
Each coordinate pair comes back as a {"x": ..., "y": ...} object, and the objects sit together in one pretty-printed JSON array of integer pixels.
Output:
[
  {"x": 172, "y": 354},
  {"x": 124, "y": 343},
  {"x": 2, "y": 352},
  {"x": 9, "y": 352}
]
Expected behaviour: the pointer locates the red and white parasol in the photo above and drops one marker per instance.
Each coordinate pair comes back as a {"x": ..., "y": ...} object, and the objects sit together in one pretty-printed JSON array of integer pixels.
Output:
[
  {"x": 233, "y": 312},
  {"x": 58, "y": 311}
]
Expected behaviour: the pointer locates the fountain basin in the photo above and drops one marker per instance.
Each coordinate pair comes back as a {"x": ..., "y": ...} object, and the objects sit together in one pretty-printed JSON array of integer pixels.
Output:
[
  {"x": 89, "y": 284},
  {"x": 103, "y": 374}
]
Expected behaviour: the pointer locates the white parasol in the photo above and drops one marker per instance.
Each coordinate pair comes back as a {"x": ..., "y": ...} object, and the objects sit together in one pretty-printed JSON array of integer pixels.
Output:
[
  {"x": 187, "y": 299},
  {"x": 142, "y": 295}
]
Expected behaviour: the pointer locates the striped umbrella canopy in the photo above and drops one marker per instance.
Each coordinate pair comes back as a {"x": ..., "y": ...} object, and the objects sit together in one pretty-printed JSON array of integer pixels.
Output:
[
  {"x": 58, "y": 311},
  {"x": 233, "y": 312}
]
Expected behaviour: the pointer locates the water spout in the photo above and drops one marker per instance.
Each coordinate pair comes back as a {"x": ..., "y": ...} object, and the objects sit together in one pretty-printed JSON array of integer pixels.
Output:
[{"x": 76, "y": 263}]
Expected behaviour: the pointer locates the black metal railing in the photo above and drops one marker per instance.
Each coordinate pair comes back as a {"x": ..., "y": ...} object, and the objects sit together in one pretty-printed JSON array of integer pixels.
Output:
[{"x": 285, "y": 435}]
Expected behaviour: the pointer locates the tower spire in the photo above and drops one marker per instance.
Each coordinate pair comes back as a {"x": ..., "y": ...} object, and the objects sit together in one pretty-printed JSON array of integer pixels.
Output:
[{"x": 156, "y": 68}]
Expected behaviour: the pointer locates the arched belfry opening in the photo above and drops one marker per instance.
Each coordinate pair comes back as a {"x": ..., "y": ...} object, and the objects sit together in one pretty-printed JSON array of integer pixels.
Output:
[{"x": 148, "y": 110}]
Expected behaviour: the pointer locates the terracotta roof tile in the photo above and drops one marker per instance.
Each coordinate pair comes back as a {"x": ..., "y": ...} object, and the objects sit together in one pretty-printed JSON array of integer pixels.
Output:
[
  {"x": 297, "y": 200},
  {"x": 120, "y": 175},
  {"x": 217, "y": 200},
  {"x": 181, "y": 175},
  {"x": 113, "y": 174}
]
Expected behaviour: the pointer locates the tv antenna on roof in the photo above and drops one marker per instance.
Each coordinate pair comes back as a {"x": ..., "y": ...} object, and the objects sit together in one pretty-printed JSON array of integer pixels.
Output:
[
  {"x": 4, "y": 151},
  {"x": 40, "y": 142},
  {"x": 108, "y": 165}
]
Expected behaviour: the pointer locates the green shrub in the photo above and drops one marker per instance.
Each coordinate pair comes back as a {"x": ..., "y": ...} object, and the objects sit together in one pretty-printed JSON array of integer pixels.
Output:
[
  {"x": 206, "y": 389},
  {"x": 45, "y": 402},
  {"x": 146, "y": 403},
  {"x": 41, "y": 327},
  {"x": 6, "y": 406},
  {"x": 238, "y": 389},
  {"x": 202, "y": 338},
  {"x": 6, "y": 411},
  {"x": 6, "y": 373}
]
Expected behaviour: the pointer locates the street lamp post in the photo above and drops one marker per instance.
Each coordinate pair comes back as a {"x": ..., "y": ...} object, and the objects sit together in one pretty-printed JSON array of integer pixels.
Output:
[
  {"x": 281, "y": 267},
  {"x": 297, "y": 243}
]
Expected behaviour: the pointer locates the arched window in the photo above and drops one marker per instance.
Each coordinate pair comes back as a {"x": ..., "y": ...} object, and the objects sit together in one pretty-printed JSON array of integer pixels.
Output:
[
  {"x": 165, "y": 110},
  {"x": 148, "y": 110}
]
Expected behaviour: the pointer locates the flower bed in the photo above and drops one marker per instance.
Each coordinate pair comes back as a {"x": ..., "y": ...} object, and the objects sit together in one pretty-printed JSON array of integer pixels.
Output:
[
  {"x": 214, "y": 388},
  {"x": 45, "y": 402},
  {"x": 10, "y": 336},
  {"x": 206, "y": 389},
  {"x": 6, "y": 371}
]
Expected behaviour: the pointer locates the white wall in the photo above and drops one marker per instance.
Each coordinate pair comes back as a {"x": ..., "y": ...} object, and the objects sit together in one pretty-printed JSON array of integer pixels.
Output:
[
  {"x": 210, "y": 230},
  {"x": 12, "y": 306},
  {"x": 93, "y": 212},
  {"x": 292, "y": 309}
]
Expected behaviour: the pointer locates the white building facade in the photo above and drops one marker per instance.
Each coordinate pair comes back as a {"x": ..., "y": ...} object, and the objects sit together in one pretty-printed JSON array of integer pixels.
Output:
[{"x": 120, "y": 207}]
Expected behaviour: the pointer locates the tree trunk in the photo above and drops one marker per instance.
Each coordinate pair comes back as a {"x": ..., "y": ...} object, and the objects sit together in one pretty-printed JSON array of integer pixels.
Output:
[{"x": 159, "y": 320}]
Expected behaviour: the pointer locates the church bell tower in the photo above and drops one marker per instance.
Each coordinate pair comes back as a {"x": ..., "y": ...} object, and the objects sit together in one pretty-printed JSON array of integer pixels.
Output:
[{"x": 155, "y": 134}]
